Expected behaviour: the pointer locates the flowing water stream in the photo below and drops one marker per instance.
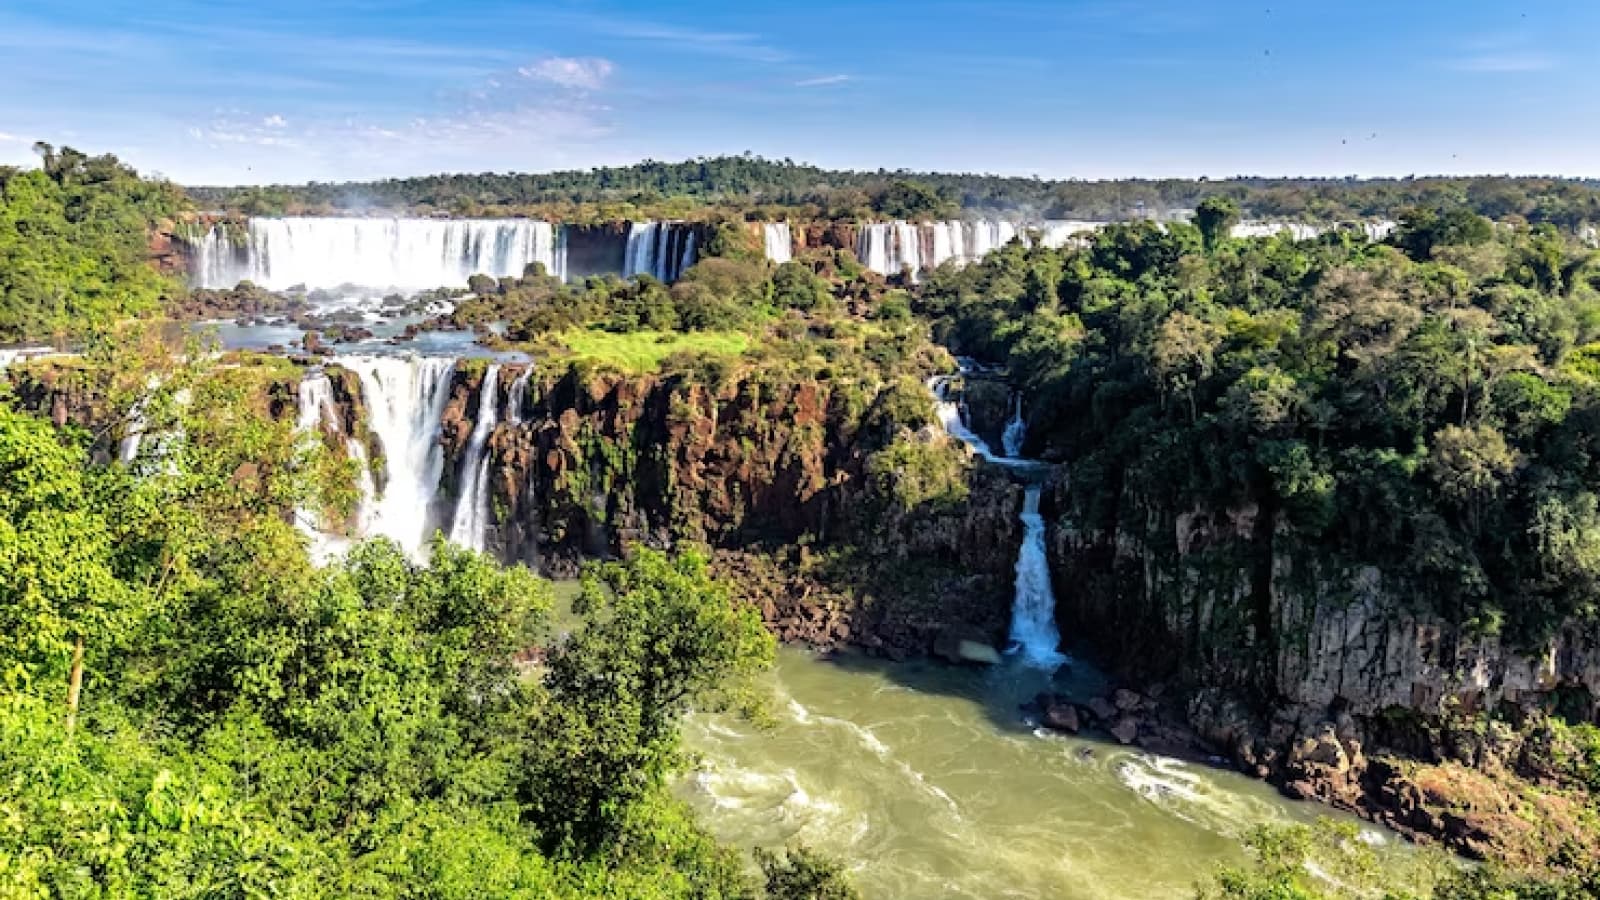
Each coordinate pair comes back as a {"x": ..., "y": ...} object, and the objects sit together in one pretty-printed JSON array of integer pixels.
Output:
[{"x": 928, "y": 783}]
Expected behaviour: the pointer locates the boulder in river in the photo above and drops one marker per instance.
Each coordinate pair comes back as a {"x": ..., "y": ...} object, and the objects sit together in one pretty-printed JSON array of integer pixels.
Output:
[
  {"x": 1059, "y": 714},
  {"x": 962, "y": 648}
]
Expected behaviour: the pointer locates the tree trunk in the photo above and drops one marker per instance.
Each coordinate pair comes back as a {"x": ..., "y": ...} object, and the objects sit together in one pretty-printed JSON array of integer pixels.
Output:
[{"x": 75, "y": 684}]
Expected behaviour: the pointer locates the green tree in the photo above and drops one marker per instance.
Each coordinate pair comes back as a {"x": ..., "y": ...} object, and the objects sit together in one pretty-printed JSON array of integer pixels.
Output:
[
  {"x": 800, "y": 873},
  {"x": 663, "y": 637},
  {"x": 60, "y": 597},
  {"x": 1215, "y": 217}
]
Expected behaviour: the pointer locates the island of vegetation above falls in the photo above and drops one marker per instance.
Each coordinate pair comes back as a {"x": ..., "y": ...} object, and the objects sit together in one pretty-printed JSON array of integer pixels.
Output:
[{"x": 1328, "y": 509}]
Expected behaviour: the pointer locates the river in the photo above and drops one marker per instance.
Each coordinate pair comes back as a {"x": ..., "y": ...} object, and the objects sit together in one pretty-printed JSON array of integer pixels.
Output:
[{"x": 929, "y": 783}]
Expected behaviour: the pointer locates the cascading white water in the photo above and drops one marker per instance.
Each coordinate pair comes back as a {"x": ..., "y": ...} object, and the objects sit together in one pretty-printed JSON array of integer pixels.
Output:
[
  {"x": 1016, "y": 431},
  {"x": 949, "y": 413},
  {"x": 662, "y": 250},
  {"x": 517, "y": 397},
  {"x": 405, "y": 398},
  {"x": 411, "y": 254},
  {"x": 779, "y": 241},
  {"x": 1033, "y": 610},
  {"x": 470, "y": 526},
  {"x": 1034, "y": 635},
  {"x": 128, "y": 447},
  {"x": 889, "y": 248}
]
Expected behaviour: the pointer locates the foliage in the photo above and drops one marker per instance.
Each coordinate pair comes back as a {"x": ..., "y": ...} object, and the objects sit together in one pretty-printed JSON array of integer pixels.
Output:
[
  {"x": 1325, "y": 861},
  {"x": 74, "y": 244},
  {"x": 913, "y": 473},
  {"x": 804, "y": 874},
  {"x": 775, "y": 190},
  {"x": 662, "y": 637},
  {"x": 1425, "y": 406},
  {"x": 644, "y": 351},
  {"x": 256, "y": 726}
]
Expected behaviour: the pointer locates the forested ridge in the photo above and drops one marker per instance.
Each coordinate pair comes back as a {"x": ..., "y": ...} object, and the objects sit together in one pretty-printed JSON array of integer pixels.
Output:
[
  {"x": 190, "y": 707},
  {"x": 777, "y": 189},
  {"x": 189, "y": 704},
  {"x": 75, "y": 244},
  {"x": 1426, "y": 405}
]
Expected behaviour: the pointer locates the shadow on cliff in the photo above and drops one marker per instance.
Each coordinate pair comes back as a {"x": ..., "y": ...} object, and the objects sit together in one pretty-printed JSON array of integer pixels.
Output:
[{"x": 1005, "y": 693}]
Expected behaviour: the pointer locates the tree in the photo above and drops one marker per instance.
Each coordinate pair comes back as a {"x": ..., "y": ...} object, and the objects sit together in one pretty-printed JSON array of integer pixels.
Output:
[
  {"x": 1215, "y": 217},
  {"x": 663, "y": 637},
  {"x": 1184, "y": 355},
  {"x": 804, "y": 874},
  {"x": 60, "y": 597},
  {"x": 912, "y": 201}
]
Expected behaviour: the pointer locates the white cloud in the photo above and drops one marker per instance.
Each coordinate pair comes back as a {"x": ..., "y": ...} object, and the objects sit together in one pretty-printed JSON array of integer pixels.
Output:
[
  {"x": 823, "y": 81},
  {"x": 11, "y": 139},
  {"x": 578, "y": 73},
  {"x": 275, "y": 121}
]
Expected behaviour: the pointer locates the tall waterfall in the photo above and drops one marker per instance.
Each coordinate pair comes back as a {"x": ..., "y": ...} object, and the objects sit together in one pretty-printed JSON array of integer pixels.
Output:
[
  {"x": 779, "y": 241},
  {"x": 662, "y": 250},
  {"x": 405, "y": 399},
  {"x": 1033, "y": 610},
  {"x": 470, "y": 526},
  {"x": 1034, "y": 635},
  {"x": 1016, "y": 431},
  {"x": 412, "y": 254}
]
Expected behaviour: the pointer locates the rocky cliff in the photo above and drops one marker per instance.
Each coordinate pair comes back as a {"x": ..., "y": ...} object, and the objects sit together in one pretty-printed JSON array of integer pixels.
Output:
[
  {"x": 1322, "y": 677},
  {"x": 769, "y": 469}
]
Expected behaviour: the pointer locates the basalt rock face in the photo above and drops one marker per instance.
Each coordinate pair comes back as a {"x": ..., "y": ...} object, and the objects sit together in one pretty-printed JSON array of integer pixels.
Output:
[
  {"x": 1241, "y": 604},
  {"x": 592, "y": 463},
  {"x": 1318, "y": 675},
  {"x": 827, "y": 235}
]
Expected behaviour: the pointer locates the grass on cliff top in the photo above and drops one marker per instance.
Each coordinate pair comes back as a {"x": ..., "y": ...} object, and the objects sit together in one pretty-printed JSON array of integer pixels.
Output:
[{"x": 642, "y": 351}]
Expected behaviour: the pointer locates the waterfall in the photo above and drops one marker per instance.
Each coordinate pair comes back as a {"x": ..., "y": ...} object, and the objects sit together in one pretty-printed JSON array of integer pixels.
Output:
[
  {"x": 1016, "y": 431},
  {"x": 891, "y": 247},
  {"x": 662, "y": 250},
  {"x": 1034, "y": 635},
  {"x": 779, "y": 241},
  {"x": 412, "y": 254},
  {"x": 1033, "y": 611},
  {"x": 689, "y": 258},
  {"x": 128, "y": 447},
  {"x": 950, "y": 418},
  {"x": 517, "y": 398},
  {"x": 949, "y": 413},
  {"x": 405, "y": 398},
  {"x": 470, "y": 526}
]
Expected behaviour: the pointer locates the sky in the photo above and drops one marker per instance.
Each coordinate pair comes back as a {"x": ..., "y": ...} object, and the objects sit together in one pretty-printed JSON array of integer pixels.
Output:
[{"x": 226, "y": 92}]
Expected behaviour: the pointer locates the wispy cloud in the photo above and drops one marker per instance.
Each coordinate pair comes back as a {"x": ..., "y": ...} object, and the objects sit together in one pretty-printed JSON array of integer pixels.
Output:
[
  {"x": 1504, "y": 62},
  {"x": 733, "y": 44},
  {"x": 275, "y": 121},
  {"x": 1501, "y": 54},
  {"x": 822, "y": 81},
  {"x": 11, "y": 139},
  {"x": 578, "y": 73}
]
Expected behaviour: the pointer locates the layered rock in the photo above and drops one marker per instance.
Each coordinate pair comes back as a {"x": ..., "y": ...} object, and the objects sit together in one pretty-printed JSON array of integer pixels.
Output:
[
  {"x": 1317, "y": 675},
  {"x": 591, "y": 463}
]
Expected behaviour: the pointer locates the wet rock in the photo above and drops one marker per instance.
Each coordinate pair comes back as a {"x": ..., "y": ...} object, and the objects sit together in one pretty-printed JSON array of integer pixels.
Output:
[
  {"x": 1059, "y": 714},
  {"x": 1126, "y": 700},
  {"x": 1102, "y": 709},
  {"x": 963, "y": 647},
  {"x": 1126, "y": 730}
]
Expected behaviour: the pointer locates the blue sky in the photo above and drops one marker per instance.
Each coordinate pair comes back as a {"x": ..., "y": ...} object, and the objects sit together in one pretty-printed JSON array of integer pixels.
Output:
[{"x": 291, "y": 90}]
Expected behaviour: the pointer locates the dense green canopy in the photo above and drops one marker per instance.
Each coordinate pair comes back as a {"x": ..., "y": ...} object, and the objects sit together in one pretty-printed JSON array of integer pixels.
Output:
[{"x": 75, "y": 244}]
